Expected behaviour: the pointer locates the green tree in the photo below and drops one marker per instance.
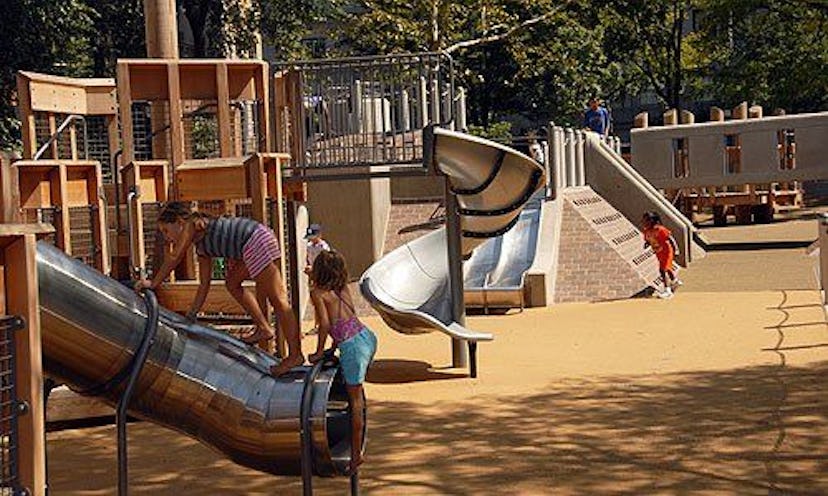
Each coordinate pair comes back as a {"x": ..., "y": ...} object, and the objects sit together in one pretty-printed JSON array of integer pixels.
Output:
[
  {"x": 45, "y": 36},
  {"x": 648, "y": 40},
  {"x": 117, "y": 31},
  {"x": 527, "y": 61},
  {"x": 771, "y": 52},
  {"x": 285, "y": 23}
]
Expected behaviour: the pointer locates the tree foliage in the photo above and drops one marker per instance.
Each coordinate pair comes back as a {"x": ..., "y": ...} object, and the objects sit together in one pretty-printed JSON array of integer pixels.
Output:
[
  {"x": 772, "y": 52},
  {"x": 523, "y": 61}
]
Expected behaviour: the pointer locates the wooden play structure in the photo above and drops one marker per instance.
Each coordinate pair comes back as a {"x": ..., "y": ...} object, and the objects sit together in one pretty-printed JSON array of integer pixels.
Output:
[
  {"x": 22, "y": 430},
  {"x": 749, "y": 166}
]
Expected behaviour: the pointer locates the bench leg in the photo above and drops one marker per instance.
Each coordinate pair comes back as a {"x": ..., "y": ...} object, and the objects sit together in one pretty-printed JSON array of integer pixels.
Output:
[{"x": 472, "y": 359}]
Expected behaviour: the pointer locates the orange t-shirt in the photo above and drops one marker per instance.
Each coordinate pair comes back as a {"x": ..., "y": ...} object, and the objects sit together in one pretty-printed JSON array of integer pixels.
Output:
[{"x": 658, "y": 238}]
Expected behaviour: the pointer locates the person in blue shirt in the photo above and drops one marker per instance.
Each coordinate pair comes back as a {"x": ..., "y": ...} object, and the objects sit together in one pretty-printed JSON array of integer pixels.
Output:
[{"x": 597, "y": 118}]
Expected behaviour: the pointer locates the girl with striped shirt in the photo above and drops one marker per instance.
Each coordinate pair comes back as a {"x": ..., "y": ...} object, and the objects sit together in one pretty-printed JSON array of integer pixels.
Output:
[{"x": 250, "y": 250}]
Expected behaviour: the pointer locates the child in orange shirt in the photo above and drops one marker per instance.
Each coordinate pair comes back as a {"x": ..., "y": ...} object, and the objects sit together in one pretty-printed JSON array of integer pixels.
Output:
[{"x": 661, "y": 240}]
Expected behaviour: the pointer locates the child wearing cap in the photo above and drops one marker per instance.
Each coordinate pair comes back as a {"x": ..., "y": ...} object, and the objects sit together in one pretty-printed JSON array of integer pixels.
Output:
[{"x": 316, "y": 245}]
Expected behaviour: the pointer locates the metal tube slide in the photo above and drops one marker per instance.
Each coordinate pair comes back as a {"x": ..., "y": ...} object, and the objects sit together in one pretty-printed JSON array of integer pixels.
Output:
[{"x": 196, "y": 380}]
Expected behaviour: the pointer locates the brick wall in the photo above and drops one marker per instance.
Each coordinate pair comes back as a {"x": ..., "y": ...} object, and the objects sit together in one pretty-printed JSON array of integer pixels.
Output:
[
  {"x": 405, "y": 223},
  {"x": 601, "y": 252}
]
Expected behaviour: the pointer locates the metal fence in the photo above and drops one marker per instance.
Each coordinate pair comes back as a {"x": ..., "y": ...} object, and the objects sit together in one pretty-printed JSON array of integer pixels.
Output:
[
  {"x": 9, "y": 482},
  {"x": 368, "y": 110}
]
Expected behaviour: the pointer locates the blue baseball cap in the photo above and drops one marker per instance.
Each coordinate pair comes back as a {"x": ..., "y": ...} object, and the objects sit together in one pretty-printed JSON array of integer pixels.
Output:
[{"x": 313, "y": 230}]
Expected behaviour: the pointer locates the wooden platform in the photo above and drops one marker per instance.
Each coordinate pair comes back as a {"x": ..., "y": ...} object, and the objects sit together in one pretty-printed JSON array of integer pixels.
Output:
[{"x": 178, "y": 296}]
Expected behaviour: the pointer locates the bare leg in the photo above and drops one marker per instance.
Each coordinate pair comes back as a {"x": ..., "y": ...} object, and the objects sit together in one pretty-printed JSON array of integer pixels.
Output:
[
  {"x": 357, "y": 401},
  {"x": 235, "y": 276},
  {"x": 271, "y": 280}
]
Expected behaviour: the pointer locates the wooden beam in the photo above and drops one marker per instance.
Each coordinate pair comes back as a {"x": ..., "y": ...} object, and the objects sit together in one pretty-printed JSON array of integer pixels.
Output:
[
  {"x": 52, "y": 131},
  {"x": 73, "y": 142},
  {"x": 114, "y": 143},
  {"x": 177, "y": 155},
  {"x": 100, "y": 233},
  {"x": 125, "y": 107},
  {"x": 9, "y": 191},
  {"x": 58, "y": 182},
  {"x": 22, "y": 299},
  {"x": 265, "y": 138},
  {"x": 211, "y": 180},
  {"x": 27, "y": 118},
  {"x": 223, "y": 111},
  {"x": 178, "y": 296}
]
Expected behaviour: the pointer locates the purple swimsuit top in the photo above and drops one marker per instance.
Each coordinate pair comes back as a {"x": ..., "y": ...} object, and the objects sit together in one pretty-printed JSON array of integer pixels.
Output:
[{"x": 344, "y": 329}]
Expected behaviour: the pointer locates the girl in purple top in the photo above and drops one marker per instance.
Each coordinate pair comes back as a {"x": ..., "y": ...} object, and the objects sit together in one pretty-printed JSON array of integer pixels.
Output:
[{"x": 357, "y": 345}]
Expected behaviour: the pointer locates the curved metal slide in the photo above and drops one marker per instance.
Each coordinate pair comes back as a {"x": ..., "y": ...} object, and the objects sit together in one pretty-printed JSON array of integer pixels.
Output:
[{"x": 409, "y": 287}]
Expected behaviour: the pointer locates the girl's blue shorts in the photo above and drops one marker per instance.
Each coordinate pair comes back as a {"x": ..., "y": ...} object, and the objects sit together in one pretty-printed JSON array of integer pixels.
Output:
[{"x": 356, "y": 354}]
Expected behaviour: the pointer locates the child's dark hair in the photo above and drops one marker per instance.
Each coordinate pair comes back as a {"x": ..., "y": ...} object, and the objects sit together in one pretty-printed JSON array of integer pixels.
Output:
[
  {"x": 172, "y": 211},
  {"x": 329, "y": 271},
  {"x": 652, "y": 217}
]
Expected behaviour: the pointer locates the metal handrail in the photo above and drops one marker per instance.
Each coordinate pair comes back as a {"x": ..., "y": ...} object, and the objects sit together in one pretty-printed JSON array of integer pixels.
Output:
[
  {"x": 150, "y": 328},
  {"x": 60, "y": 129}
]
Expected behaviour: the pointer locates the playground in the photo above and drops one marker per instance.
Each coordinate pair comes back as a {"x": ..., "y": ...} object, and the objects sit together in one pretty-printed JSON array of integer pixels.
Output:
[
  {"x": 566, "y": 312},
  {"x": 673, "y": 400}
]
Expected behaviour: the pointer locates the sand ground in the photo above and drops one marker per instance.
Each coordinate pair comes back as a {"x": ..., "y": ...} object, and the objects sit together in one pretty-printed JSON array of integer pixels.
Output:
[{"x": 720, "y": 390}]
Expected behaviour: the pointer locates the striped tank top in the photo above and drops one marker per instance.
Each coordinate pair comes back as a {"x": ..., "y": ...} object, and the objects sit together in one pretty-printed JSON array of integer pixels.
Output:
[{"x": 226, "y": 237}]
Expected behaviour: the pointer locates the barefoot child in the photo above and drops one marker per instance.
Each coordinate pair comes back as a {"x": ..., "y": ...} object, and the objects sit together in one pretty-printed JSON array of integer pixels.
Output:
[
  {"x": 661, "y": 240},
  {"x": 250, "y": 250},
  {"x": 357, "y": 344}
]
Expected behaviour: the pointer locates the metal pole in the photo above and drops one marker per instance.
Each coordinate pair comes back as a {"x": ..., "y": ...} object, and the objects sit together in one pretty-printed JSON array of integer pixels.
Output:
[
  {"x": 139, "y": 359},
  {"x": 459, "y": 353},
  {"x": 305, "y": 432}
]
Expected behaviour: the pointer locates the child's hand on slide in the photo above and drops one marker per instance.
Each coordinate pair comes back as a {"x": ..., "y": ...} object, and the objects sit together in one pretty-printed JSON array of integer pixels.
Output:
[{"x": 142, "y": 284}]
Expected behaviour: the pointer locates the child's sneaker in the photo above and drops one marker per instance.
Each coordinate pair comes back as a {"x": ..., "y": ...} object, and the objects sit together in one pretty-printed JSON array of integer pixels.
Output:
[
  {"x": 666, "y": 294},
  {"x": 676, "y": 284}
]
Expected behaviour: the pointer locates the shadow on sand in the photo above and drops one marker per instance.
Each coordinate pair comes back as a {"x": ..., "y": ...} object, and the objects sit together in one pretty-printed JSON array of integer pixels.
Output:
[{"x": 386, "y": 371}]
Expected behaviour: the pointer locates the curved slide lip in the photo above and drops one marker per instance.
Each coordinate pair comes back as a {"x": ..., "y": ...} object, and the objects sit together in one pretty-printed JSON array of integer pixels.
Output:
[{"x": 409, "y": 287}]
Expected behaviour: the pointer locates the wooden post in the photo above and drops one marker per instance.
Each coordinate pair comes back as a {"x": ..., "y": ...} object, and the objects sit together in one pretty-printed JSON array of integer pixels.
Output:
[
  {"x": 27, "y": 118},
  {"x": 125, "y": 108},
  {"x": 9, "y": 192},
  {"x": 52, "y": 131},
  {"x": 100, "y": 232},
  {"x": 717, "y": 114},
  {"x": 265, "y": 138},
  {"x": 740, "y": 111},
  {"x": 21, "y": 295},
  {"x": 671, "y": 117},
  {"x": 642, "y": 120},
  {"x": 176, "y": 124},
  {"x": 282, "y": 109},
  {"x": 59, "y": 199},
  {"x": 223, "y": 111},
  {"x": 161, "y": 29}
]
